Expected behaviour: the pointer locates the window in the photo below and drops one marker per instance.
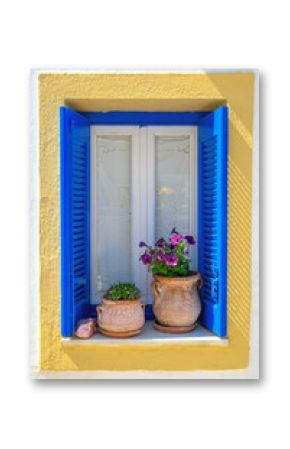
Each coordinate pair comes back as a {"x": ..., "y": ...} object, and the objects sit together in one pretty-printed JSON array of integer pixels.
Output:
[
  {"x": 122, "y": 181},
  {"x": 143, "y": 183}
]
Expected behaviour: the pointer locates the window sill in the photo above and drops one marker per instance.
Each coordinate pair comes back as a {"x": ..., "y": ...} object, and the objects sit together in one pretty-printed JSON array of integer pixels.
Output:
[{"x": 200, "y": 336}]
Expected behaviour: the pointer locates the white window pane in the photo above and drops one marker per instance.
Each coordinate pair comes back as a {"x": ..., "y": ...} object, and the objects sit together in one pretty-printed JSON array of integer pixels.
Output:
[
  {"x": 172, "y": 198},
  {"x": 113, "y": 210}
]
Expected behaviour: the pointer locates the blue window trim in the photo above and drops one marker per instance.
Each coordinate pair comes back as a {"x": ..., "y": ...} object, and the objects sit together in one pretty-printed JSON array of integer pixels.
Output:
[
  {"x": 144, "y": 118},
  {"x": 212, "y": 216},
  {"x": 75, "y": 219}
]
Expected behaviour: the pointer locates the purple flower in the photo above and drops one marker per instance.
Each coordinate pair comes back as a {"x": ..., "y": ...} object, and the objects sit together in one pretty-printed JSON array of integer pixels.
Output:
[
  {"x": 160, "y": 257},
  {"x": 190, "y": 239},
  {"x": 141, "y": 244},
  {"x": 161, "y": 243},
  {"x": 146, "y": 259},
  {"x": 185, "y": 251},
  {"x": 175, "y": 239},
  {"x": 172, "y": 260}
]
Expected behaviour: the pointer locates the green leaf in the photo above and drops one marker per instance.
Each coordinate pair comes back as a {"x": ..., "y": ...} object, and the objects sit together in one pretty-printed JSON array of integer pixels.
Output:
[{"x": 124, "y": 291}]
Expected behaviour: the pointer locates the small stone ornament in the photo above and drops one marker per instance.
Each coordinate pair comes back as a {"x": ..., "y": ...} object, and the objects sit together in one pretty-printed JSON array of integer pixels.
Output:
[{"x": 86, "y": 328}]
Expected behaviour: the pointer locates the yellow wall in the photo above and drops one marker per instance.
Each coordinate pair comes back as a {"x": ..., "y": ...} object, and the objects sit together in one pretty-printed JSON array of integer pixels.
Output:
[{"x": 159, "y": 92}]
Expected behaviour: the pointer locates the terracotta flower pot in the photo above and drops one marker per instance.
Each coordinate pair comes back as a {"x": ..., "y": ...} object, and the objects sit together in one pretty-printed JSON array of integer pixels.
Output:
[
  {"x": 124, "y": 317},
  {"x": 176, "y": 300}
]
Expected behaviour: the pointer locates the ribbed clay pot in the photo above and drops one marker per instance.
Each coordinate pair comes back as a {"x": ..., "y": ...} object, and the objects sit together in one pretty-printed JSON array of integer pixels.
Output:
[
  {"x": 121, "y": 316},
  {"x": 176, "y": 300}
]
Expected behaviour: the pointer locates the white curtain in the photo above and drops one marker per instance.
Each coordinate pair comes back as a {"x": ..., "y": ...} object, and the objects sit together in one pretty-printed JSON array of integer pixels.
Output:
[
  {"x": 113, "y": 211},
  {"x": 173, "y": 200},
  {"x": 172, "y": 184}
]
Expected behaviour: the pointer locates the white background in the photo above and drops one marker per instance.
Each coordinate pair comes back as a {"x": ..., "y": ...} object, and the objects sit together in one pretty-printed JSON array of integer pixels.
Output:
[{"x": 150, "y": 34}]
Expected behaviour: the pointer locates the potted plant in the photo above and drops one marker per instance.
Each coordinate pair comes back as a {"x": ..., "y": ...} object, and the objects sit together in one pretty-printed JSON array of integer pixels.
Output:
[
  {"x": 176, "y": 300},
  {"x": 121, "y": 313}
]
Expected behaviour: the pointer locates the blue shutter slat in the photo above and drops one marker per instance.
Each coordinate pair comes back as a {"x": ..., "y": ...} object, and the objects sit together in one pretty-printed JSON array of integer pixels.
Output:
[
  {"x": 75, "y": 218},
  {"x": 212, "y": 156}
]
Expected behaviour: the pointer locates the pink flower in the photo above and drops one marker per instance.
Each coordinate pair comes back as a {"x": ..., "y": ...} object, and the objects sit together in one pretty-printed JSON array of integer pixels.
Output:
[
  {"x": 171, "y": 260},
  {"x": 160, "y": 257},
  {"x": 175, "y": 239},
  {"x": 161, "y": 243},
  {"x": 146, "y": 259},
  {"x": 190, "y": 239}
]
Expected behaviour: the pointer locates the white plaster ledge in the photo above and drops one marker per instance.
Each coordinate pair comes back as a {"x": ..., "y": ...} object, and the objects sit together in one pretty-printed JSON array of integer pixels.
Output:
[{"x": 200, "y": 336}]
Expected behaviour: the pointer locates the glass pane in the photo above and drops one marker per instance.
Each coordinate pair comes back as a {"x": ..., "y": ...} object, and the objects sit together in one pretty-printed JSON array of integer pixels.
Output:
[
  {"x": 172, "y": 203},
  {"x": 113, "y": 211}
]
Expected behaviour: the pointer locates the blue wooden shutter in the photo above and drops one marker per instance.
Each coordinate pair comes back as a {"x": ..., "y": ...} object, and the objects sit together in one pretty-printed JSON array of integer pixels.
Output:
[
  {"x": 75, "y": 219},
  {"x": 213, "y": 156}
]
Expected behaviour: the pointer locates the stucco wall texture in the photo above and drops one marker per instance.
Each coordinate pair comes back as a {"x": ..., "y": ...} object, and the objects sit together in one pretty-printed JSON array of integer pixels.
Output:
[{"x": 154, "y": 92}]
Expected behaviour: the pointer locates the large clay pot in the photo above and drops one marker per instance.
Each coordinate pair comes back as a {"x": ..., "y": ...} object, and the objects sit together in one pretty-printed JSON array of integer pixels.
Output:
[
  {"x": 176, "y": 300},
  {"x": 121, "y": 317}
]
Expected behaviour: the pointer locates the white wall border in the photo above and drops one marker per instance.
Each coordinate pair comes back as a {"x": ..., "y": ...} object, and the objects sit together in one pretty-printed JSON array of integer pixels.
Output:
[
  {"x": 147, "y": 375},
  {"x": 250, "y": 373},
  {"x": 34, "y": 316},
  {"x": 255, "y": 305}
]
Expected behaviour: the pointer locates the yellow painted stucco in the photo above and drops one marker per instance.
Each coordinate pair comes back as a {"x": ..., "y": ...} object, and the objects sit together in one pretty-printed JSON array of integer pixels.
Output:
[{"x": 155, "y": 92}]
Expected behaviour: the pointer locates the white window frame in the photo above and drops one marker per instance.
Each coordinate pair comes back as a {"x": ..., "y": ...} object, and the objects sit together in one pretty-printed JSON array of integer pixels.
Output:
[{"x": 142, "y": 192}]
